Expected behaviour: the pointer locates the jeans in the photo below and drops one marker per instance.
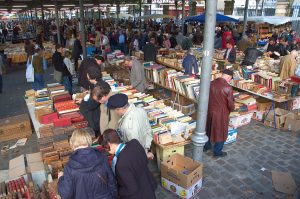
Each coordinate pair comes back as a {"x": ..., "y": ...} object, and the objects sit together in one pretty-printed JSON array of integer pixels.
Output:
[
  {"x": 67, "y": 82},
  {"x": 1, "y": 83},
  {"x": 122, "y": 48},
  {"x": 38, "y": 83},
  {"x": 218, "y": 147}
]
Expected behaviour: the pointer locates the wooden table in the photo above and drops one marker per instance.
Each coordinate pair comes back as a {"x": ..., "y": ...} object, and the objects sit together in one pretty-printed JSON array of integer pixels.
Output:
[{"x": 35, "y": 122}]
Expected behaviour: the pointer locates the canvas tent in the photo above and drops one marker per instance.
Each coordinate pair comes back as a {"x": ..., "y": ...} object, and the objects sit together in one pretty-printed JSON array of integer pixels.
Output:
[{"x": 219, "y": 18}]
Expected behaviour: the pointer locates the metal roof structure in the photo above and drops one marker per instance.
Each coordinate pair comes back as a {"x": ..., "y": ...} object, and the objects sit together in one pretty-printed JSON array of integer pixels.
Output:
[{"x": 48, "y": 4}]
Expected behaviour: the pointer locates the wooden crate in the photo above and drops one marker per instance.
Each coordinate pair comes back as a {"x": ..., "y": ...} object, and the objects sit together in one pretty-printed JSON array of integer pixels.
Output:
[{"x": 15, "y": 127}]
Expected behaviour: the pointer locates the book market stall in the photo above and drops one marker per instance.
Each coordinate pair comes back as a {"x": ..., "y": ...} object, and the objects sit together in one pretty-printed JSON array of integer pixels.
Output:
[
  {"x": 259, "y": 88},
  {"x": 17, "y": 55}
]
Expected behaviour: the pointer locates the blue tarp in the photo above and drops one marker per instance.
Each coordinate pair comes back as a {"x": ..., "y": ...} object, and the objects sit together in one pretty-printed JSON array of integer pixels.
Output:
[{"x": 219, "y": 18}]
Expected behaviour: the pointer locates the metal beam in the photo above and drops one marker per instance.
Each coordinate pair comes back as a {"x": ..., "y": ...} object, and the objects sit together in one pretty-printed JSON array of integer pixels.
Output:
[
  {"x": 199, "y": 137},
  {"x": 245, "y": 17},
  {"x": 57, "y": 24},
  {"x": 82, "y": 29},
  {"x": 183, "y": 14}
]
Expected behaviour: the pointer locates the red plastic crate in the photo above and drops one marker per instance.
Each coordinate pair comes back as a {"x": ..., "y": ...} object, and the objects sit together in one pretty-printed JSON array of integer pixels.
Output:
[
  {"x": 62, "y": 122},
  {"x": 49, "y": 118}
]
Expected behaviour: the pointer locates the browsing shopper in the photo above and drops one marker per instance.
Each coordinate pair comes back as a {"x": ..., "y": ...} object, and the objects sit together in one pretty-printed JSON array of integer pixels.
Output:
[
  {"x": 134, "y": 122},
  {"x": 61, "y": 69},
  {"x": 87, "y": 174},
  {"x": 221, "y": 103},
  {"x": 108, "y": 118},
  {"x": 137, "y": 73},
  {"x": 130, "y": 166},
  {"x": 37, "y": 63}
]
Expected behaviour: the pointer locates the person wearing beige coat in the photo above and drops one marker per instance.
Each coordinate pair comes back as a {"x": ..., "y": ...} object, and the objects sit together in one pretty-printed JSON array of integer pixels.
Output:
[
  {"x": 108, "y": 118},
  {"x": 288, "y": 65}
]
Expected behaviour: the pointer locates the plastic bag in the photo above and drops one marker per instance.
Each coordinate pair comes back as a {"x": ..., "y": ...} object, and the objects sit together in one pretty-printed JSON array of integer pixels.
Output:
[{"x": 29, "y": 70}]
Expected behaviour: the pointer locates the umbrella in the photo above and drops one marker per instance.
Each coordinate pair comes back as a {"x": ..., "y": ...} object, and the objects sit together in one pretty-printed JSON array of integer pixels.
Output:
[{"x": 219, "y": 18}]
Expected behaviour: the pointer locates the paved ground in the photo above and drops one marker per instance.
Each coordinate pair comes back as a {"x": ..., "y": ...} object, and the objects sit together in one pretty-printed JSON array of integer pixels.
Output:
[{"x": 244, "y": 173}]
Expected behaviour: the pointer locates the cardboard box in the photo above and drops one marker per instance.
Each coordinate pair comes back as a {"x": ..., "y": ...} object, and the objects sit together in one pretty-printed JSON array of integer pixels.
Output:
[
  {"x": 15, "y": 127},
  {"x": 263, "y": 105},
  {"x": 17, "y": 167},
  {"x": 292, "y": 123},
  {"x": 62, "y": 122},
  {"x": 281, "y": 116},
  {"x": 258, "y": 115},
  {"x": 240, "y": 120},
  {"x": 49, "y": 118},
  {"x": 232, "y": 136},
  {"x": 36, "y": 167},
  {"x": 42, "y": 111},
  {"x": 294, "y": 104},
  {"x": 180, "y": 191},
  {"x": 181, "y": 170}
]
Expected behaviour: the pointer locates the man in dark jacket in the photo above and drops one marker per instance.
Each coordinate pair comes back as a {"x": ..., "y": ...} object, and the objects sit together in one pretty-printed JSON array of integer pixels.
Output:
[
  {"x": 77, "y": 51},
  {"x": 59, "y": 66},
  {"x": 134, "y": 179},
  {"x": 150, "y": 51},
  {"x": 84, "y": 66},
  {"x": 230, "y": 54},
  {"x": 190, "y": 64},
  {"x": 281, "y": 48},
  {"x": 251, "y": 55},
  {"x": 90, "y": 108},
  {"x": 221, "y": 103}
]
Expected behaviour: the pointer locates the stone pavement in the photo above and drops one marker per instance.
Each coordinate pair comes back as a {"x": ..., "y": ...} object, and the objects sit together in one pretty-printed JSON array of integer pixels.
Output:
[
  {"x": 246, "y": 171},
  {"x": 239, "y": 175}
]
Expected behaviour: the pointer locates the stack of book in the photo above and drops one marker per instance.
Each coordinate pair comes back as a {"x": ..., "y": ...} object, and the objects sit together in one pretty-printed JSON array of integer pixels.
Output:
[
  {"x": 268, "y": 79},
  {"x": 66, "y": 107},
  {"x": 56, "y": 89}
]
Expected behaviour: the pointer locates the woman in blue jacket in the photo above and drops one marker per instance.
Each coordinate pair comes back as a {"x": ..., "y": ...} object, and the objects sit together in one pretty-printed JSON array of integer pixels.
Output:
[{"x": 87, "y": 175}]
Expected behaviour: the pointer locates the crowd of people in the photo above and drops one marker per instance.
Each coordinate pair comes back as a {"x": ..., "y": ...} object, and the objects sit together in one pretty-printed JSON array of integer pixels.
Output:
[{"x": 123, "y": 128}]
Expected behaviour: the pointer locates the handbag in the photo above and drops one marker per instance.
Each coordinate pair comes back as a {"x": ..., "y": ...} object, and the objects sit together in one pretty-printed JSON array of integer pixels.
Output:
[{"x": 30, "y": 70}]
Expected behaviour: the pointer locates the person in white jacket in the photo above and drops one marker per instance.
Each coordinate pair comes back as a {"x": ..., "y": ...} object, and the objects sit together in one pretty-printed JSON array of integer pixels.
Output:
[
  {"x": 134, "y": 123},
  {"x": 69, "y": 63}
]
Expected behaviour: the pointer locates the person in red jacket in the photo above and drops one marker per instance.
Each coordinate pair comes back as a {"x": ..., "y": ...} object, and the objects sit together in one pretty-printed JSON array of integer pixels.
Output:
[
  {"x": 221, "y": 103},
  {"x": 227, "y": 37}
]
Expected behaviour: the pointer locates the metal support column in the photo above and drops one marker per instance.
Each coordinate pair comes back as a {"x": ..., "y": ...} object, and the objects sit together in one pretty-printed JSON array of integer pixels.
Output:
[
  {"x": 57, "y": 23},
  {"x": 183, "y": 14},
  {"x": 245, "y": 17},
  {"x": 99, "y": 12},
  {"x": 199, "y": 137},
  {"x": 82, "y": 29},
  {"x": 140, "y": 14}
]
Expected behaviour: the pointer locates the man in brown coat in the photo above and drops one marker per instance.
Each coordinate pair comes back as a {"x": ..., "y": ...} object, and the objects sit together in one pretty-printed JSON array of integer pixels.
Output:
[{"x": 221, "y": 103}]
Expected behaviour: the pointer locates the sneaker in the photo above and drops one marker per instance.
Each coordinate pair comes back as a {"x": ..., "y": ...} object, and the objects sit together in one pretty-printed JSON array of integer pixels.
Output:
[
  {"x": 223, "y": 154},
  {"x": 206, "y": 149}
]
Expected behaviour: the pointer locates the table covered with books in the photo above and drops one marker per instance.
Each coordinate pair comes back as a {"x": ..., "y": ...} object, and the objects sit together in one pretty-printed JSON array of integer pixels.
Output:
[{"x": 16, "y": 52}]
